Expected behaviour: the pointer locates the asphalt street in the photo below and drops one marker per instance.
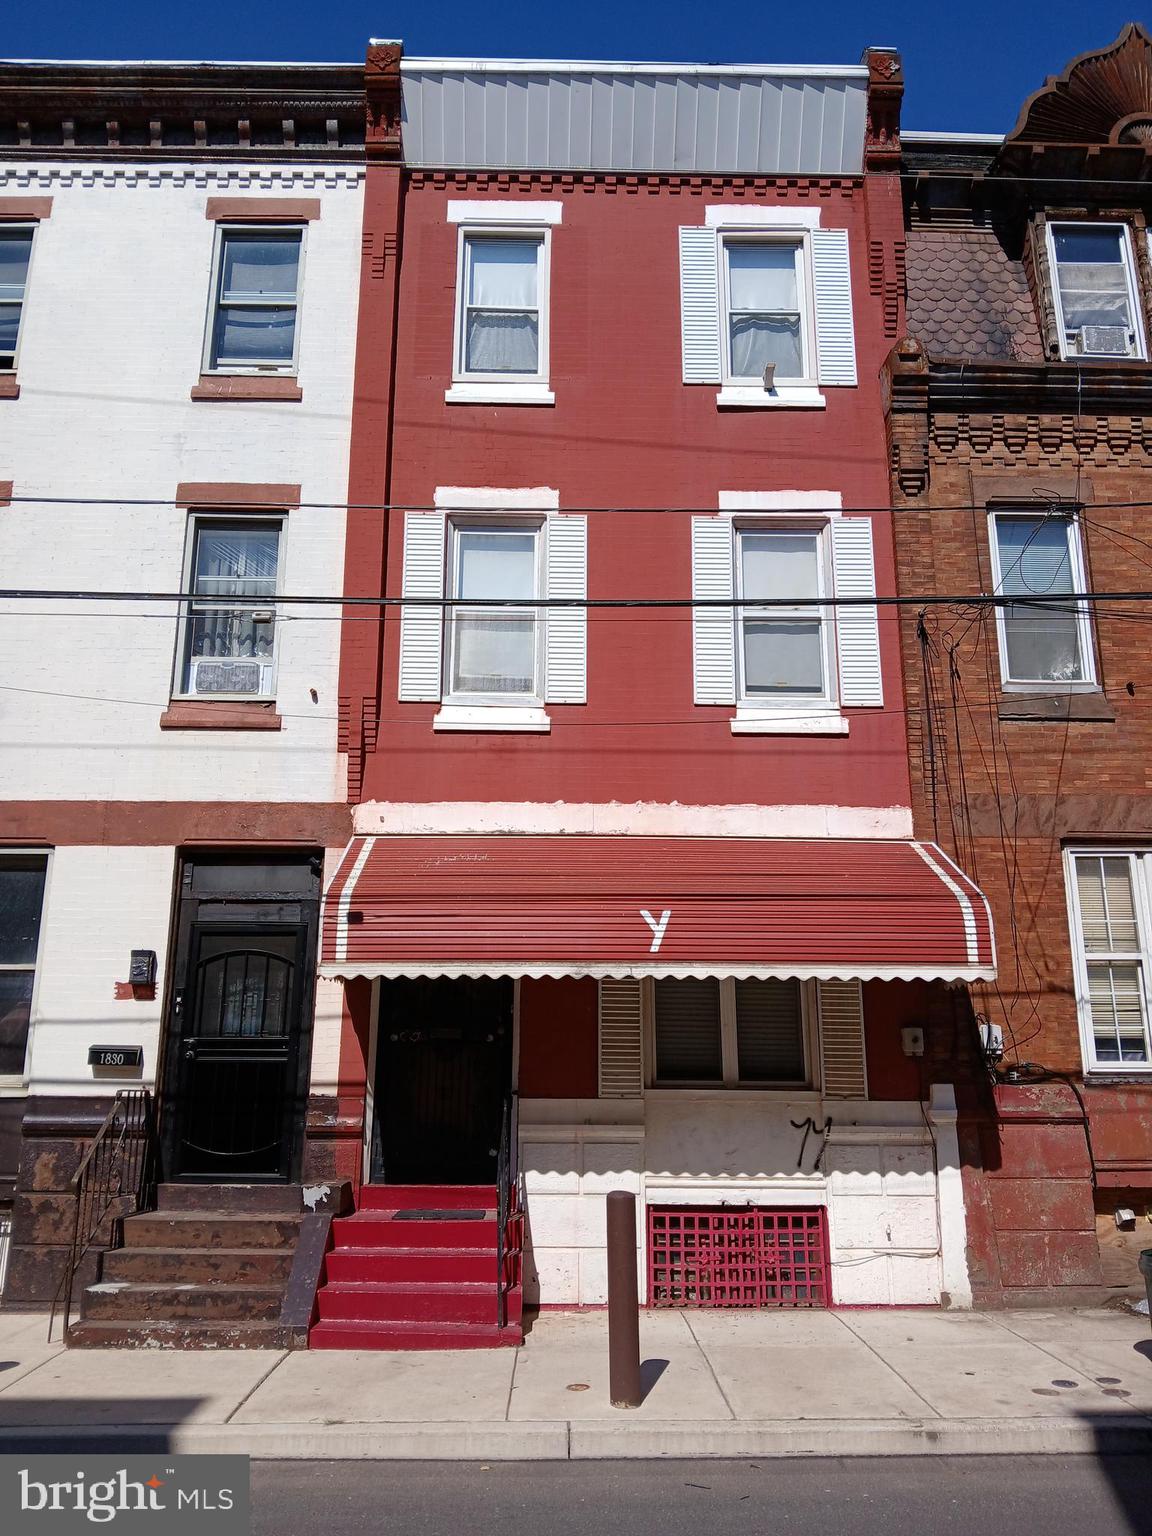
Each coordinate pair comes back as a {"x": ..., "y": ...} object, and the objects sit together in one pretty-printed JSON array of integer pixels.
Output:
[{"x": 899, "y": 1496}]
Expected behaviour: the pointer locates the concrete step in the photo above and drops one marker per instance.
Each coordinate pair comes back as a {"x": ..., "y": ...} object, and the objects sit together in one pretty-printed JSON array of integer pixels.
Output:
[
  {"x": 232, "y": 1199},
  {"x": 412, "y": 1335},
  {"x": 197, "y": 1266},
  {"x": 375, "y": 1229},
  {"x": 412, "y": 1264},
  {"x": 121, "y": 1301},
  {"x": 199, "y": 1229},
  {"x": 361, "y": 1301},
  {"x": 427, "y": 1197},
  {"x": 184, "y": 1334}
]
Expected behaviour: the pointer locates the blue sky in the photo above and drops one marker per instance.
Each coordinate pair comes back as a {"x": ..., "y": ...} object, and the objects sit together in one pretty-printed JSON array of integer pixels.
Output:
[{"x": 968, "y": 65}]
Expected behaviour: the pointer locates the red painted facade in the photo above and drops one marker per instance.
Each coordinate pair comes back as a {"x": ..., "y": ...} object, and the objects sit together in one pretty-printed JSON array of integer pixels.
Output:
[{"x": 625, "y": 433}]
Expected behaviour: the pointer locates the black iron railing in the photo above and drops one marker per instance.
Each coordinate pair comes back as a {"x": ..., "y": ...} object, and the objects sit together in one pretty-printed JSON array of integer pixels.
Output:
[
  {"x": 508, "y": 1205},
  {"x": 116, "y": 1177}
]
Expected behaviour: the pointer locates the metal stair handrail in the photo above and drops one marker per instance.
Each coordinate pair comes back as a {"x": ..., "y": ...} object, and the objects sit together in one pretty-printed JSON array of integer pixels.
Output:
[{"x": 120, "y": 1165}]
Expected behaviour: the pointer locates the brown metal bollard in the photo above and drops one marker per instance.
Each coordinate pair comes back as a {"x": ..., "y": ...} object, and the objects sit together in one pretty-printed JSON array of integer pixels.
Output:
[{"x": 623, "y": 1303}]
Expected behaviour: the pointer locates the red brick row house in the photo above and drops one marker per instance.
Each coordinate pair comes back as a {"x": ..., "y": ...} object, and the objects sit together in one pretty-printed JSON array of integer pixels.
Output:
[
  {"x": 633, "y": 898},
  {"x": 1019, "y": 414}
]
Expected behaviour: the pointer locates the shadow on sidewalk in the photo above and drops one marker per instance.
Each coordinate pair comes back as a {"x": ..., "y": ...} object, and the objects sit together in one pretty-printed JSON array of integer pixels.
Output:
[{"x": 118, "y": 1424}]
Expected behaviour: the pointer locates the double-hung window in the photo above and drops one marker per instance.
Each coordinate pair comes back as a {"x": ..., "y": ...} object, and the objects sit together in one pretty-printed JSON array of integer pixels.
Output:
[
  {"x": 500, "y": 329},
  {"x": 1096, "y": 293},
  {"x": 15, "y": 255},
  {"x": 21, "y": 902},
  {"x": 1110, "y": 892},
  {"x": 493, "y": 655},
  {"x": 229, "y": 629},
  {"x": 767, "y": 334},
  {"x": 253, "y": 325},
  {"x": 1038, "y": 555},
  {"x": 783, "y": 651},
  {"x": 724, "y": 1034}
]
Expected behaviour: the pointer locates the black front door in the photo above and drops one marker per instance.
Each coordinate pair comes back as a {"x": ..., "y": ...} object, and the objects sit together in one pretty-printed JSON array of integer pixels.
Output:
[
  {"x": 443, "y": 1068},
  {"x": 236, "y": 1061}
]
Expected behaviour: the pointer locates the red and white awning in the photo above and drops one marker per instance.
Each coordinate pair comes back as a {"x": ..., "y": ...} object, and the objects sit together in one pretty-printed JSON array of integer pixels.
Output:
[{"x": 653, "y": 906}]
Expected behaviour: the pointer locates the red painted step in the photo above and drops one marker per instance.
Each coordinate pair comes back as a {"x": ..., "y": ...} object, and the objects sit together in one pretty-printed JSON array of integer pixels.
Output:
[
  {"x": 419, "y": 1264},
  {"x": 380, "y": 1229},
  {"x": 431, "y": 1302},
  {"x": 412, "y": 1335},
  {"x": 426, "y": 1197}
]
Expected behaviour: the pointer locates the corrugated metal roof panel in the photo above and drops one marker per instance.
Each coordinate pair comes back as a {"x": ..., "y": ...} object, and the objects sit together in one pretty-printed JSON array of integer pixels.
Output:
[
  {"x": 516, "y": 116},
  {"x": 596, "y": 906}
]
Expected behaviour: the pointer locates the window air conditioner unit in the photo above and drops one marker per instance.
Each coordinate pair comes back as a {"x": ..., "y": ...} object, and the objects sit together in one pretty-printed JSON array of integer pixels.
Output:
[
  {"x": 228, "y": 677},
  {"x": 1106, "y": 341}
]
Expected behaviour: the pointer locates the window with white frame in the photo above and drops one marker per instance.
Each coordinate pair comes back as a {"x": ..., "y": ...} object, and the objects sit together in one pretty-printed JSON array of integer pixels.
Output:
[
  {"x": 21, "y": 904},
  {"x": 229, "y": 628},
  {"x": 502, "y": 314},
  {"x": 782, "y": 651},
  {"x": 493, "y": 645},
  {"x": 253, "y": 324},
  {"x": 1096, "y": 292},
  {"x": 726, "y": 1034},
  {"x": 1038, "y": 555},
  {"x": 15, "y": 256},
  {"x": 1111, "y": 892},
  {"x": 766, "y": 324}
]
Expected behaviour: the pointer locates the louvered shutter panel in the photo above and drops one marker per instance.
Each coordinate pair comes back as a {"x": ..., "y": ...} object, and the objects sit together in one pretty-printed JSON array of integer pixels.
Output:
[
  {"x": 857, "y": 628},
  {"x": 422, "y": 629},
  {"x": 566, "y": 629},
  {"x": 621, "y": 1073},
  {"x": 713, "y": 629},
  {"x": 842, "y": 1040},
  {"x": 832, "y": 284},
  {"x": 699, "y": 306}
]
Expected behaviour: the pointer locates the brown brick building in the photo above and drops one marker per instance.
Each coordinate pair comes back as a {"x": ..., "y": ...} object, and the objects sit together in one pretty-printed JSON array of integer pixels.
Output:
[{"x": 1019, "y": 413}]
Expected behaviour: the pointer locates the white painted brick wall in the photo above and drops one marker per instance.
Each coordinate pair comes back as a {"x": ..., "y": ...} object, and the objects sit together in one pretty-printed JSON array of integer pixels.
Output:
[
  {"x": 110, "y": 349},
  {"x": 99, "y": 905}
]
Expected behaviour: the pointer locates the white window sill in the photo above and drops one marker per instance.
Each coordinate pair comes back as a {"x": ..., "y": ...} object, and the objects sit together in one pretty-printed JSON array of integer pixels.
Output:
[
  {"x": 499, "y": 394},
  {"x": 756, "y": 397},
  {"x": 783, "y": 722},
  {"x": 491, "y": 717}
]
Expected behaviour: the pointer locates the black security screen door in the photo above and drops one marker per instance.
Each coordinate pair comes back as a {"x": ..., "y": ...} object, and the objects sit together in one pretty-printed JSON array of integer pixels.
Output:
[
  {"x": 237, "y": 1042},
  {"x": 443, "y": 1067}
]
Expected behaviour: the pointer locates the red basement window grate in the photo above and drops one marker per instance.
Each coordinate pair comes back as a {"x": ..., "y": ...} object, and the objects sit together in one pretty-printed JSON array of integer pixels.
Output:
[{"x": 745, "y": 1256}]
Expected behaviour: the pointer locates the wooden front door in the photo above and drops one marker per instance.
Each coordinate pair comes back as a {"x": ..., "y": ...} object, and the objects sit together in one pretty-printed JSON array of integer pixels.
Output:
[{"x": 443, "y": 1069}]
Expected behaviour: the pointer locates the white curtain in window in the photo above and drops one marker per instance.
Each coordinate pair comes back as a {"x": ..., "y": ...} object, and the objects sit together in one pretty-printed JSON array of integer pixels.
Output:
[
  {"x": 1093, "y": 277},
  {"x": 494, "y": 653},
  {"x": 765, "y": 321},
  {"x": 1043, "y": 643},
  {"x": 503, "y": 301},
  {"x": 496, "y": 565},
  {"x": 233, "y": 563},
  {"x": 783, "y": 656},
  {"x": 780, "y": 566}
]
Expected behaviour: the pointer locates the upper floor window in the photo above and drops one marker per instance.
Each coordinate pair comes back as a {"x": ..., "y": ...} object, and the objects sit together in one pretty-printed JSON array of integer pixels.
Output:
[
  {"x": 255, "y": 300},
  {"x": 1096, "y": 292},
  {"x": 15, "y": 254},
  {"x": 1110, "y": 895},
  {"x": 493, "y": 653},
  {"x": 21, "y": 901},
  {"x": 1039, "y": 555},
  {"x": 229, "y": 628},
  {"x": 501, "y": 331},
  {"x": 783, "y": 651},
  {"x": 768, "y": 334},
  {"x": 726, "y": 1034}
]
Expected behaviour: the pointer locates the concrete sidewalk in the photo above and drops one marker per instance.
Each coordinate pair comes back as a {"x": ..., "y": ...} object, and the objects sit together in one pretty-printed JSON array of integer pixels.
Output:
[{"x": 717, "y": 1384}]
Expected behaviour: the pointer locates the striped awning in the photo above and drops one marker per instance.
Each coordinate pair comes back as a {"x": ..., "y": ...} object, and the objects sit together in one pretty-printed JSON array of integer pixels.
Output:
[{"x": 653, "y": 906}]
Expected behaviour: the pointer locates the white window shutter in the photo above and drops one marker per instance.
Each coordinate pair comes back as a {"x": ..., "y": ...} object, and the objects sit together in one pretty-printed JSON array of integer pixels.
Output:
[
  {"x": 566, "y": 629},
  {"x": 857, "y": 628},
  {"x": 842, "y": 1040},
  {"x": 422, "y": 629},
  {"x": 621, "y": 1056},
  {"x": 713, "y": 629},
  {"x": 832, "y": 282},
  {"x": 700, "y": 306}
]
